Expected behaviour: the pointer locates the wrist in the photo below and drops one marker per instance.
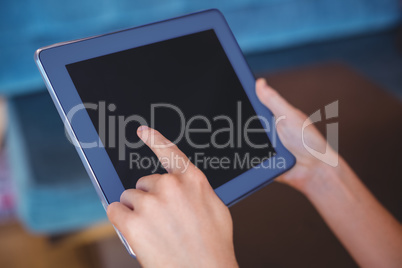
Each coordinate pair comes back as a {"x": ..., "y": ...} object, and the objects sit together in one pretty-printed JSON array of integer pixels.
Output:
[
  {"x": 225, "y": 259},
  {"x": 324, "y": 178}
]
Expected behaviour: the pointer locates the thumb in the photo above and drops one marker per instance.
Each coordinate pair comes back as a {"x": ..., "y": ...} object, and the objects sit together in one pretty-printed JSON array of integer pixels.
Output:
[
  {"x": 271, "y": 99},
  {"x": 118, "y": 215}
]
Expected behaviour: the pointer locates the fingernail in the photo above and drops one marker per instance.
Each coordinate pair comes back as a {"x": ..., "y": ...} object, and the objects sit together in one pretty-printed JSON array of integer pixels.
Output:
[
  {"x": 261, "y": 82},
  {"x": 140, "y": 129}
]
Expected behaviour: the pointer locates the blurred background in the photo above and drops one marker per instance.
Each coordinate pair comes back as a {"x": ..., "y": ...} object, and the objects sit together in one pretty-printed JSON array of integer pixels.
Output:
[{"x": 313, "y": 51}]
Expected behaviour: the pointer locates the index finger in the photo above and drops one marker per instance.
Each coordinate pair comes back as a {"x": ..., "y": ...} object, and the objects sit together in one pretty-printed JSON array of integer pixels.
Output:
[
  {"x": 272, "y": 99},
  {"x": 171, "y": 158}
]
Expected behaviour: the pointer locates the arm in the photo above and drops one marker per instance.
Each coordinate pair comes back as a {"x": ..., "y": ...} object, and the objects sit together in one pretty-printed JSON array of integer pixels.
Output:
[{"x": 367, "y": 230}]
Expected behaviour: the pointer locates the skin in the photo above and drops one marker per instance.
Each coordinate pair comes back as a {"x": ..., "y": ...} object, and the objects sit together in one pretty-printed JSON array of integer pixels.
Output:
[
  {"x": 366, "y": 229},
  {"x": 176, "y": 219}
]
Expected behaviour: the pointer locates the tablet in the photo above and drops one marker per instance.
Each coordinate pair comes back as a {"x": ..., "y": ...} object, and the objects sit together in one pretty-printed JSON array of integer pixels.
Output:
[{"x": 185, "y": 77}]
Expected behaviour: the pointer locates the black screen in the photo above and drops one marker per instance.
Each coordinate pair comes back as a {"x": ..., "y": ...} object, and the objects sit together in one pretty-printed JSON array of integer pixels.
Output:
[{"x": 191, "y": 73}]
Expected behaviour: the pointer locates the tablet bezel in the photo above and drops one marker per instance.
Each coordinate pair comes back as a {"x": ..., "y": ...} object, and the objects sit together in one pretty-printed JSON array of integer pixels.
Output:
[{"x": 52, "y": 63}]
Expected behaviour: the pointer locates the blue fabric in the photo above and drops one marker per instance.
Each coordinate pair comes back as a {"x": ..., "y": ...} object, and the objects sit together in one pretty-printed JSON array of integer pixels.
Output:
[
  {"x": 26, "y": 25},
  {"x": 54, "y": 192}
]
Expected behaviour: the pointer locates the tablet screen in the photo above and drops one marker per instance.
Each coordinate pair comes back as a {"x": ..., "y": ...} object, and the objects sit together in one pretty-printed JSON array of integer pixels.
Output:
[{"x": 184, "y": 87}]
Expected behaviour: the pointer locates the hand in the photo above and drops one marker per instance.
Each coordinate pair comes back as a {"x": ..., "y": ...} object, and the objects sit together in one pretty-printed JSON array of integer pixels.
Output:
[
  {"x": 367, "y": 230},
  {"x": 307, "y": 168},
  {"x": 174, "y": 219}
]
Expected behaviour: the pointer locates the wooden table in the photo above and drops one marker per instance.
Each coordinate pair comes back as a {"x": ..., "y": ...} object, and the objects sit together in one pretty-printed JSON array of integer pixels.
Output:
[{"x": 277, "y": 226}]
